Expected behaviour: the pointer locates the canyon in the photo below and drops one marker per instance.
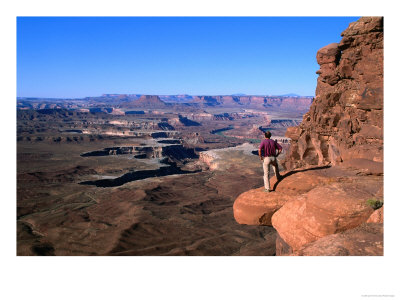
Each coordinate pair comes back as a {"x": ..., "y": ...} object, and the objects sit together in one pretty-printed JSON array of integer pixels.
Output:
[{"x": 141, "y": 174}]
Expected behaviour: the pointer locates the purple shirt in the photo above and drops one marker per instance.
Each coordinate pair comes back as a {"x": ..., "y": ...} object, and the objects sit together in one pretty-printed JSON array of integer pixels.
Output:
[{"x": 268, "y": 147}]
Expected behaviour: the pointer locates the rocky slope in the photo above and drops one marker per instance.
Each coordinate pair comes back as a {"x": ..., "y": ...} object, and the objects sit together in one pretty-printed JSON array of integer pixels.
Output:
[{"x": 329, "y": 201}]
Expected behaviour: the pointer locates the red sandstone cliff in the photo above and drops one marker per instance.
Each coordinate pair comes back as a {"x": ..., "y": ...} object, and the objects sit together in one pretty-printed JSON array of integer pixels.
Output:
[
  {"x": 322, "y": 206},
  {"x": 345, "y": 121}
]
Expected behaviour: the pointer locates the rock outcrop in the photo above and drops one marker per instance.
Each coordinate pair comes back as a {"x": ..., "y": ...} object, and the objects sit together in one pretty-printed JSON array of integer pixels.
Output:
[
  {"x": 365, "y": 240},
  {"x": 146, "y": 101},
  {"x": 322, "y": 211},
  {"x": 376, "y": 217},
  {"x": 345, "y": 121},
  {"x": 322, "y": 205},
  {"x": 255, "y": 207}
]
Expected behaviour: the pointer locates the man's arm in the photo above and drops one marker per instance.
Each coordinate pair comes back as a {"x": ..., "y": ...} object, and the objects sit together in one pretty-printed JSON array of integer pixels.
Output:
[
  {"x": 279, "y": 147},
  {"x": 259, "y": 154}
]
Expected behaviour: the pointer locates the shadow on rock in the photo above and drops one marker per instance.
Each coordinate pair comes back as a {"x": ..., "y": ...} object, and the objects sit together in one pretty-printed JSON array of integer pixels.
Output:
[{"x": 297, "y": 171}]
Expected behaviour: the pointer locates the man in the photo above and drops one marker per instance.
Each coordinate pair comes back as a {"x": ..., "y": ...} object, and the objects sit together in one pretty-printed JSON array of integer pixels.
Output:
[{"x": 267, "y": 153}]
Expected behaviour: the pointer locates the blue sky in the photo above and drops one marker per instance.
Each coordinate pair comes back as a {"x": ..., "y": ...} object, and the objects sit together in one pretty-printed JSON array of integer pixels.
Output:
[{"x": 87, "y": 56}]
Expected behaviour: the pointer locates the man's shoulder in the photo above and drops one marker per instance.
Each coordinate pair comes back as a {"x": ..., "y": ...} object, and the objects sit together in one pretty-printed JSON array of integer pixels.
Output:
[{"x": 269, "y": 141}]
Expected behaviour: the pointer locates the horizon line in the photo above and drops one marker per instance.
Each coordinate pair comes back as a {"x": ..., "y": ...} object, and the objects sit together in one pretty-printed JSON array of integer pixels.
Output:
[{"x": 178, "y": 94}]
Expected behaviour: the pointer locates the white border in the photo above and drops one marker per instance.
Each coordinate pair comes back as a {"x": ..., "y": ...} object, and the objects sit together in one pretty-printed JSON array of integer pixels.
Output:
[{"x": 196, "y": 277}]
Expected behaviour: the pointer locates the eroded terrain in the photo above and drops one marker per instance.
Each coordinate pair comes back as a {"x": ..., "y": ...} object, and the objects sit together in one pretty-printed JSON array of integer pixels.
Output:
[{"x": 142, "y": 181}]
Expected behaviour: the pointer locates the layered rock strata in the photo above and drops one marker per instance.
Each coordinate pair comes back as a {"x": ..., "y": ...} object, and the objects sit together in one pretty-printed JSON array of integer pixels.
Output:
[
  {"x": 150, "y": 101},
  {"x": 345, "y": 121},
  {"x": 271, "y": 102}
]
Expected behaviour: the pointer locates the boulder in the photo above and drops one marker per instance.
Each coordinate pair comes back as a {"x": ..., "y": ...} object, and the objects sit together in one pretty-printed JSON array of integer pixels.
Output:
[
  {"x": 365, "y": 240},
  {"x": 282, "y": 248},
  {"x": 376, "y": 216},
  {"x": 256, "y": 207},
  {"x": 323, "y": 211}
]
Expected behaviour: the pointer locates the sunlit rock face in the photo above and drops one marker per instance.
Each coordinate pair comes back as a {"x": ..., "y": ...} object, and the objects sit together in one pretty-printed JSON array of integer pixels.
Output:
[{"x": 345, "y": 121}]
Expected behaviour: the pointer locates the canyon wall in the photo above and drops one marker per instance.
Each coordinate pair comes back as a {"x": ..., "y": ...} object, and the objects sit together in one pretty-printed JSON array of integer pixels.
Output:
[
  {"x": 345, "y": 120},
  {"x": 274, "y": 102}
]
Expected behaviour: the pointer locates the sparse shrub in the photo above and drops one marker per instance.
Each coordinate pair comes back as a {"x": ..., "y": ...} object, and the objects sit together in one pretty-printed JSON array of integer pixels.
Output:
[{"x": 375, "y": 203}]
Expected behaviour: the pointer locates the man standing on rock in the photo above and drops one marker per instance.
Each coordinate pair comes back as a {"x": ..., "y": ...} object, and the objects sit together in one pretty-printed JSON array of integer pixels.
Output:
[{"x": 267, "y": 153}]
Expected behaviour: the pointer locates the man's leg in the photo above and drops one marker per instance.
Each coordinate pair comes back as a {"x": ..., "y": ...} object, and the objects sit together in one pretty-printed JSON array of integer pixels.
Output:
[
  {"x": 274, "y": 164},
  {"x": 266, "y": 164}
]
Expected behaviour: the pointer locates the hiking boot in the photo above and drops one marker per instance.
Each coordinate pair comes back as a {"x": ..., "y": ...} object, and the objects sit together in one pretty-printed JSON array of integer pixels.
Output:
[{"x": 267, "y": 191}]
